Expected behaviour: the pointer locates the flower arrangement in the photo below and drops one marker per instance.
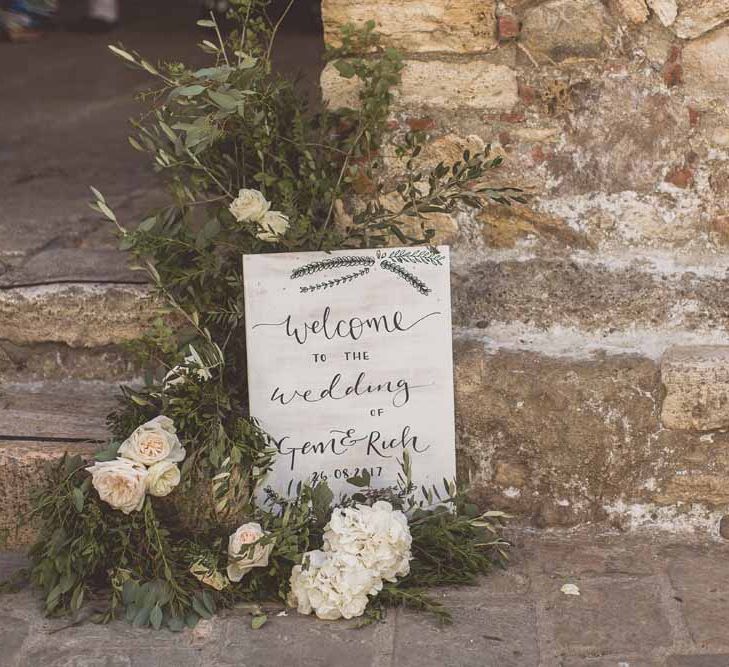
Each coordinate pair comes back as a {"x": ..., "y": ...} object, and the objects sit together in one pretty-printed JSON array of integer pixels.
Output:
[
  {"x": 363, "y": 546},
  {"x": 164, "y": 527}
]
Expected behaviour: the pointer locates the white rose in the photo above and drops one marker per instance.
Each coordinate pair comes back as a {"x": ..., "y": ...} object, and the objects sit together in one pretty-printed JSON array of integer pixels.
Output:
[
  {"x": 120, "y": 483},
  {"x": 153, "y": 442},
  {"x": 162, "y": 477},
  {"x": 249, "y": 206},
  {"x": 274, "y": 224},
  {"x": 242, "y": 555}
]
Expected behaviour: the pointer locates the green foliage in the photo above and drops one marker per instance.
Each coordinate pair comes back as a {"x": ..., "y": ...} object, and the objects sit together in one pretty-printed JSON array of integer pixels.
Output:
[
  {"x": 210, "y": 132},
  {"x": 236, "y": 124},
  {"x": 139, "y": 566}
]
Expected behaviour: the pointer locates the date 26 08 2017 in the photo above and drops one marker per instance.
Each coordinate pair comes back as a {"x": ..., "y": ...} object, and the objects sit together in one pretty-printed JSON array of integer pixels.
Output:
[{"x": 344, "y": 473}]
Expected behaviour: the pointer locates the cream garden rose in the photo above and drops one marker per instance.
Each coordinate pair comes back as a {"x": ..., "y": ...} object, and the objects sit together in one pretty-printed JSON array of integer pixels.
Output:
[
  {"x": 249, "y": 206},
  {"x": 153, "y": 442},
  {"x": 274, "y": 224},
  {"x": 162, "y": 478},
  {"x": 120, "y": 483},
  {"x": 241, "y": 557}
]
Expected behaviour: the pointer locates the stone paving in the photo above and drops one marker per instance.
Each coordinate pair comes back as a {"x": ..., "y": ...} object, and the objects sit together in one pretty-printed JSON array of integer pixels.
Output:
[
  {"x": 65, "y": 107},
  {"x": 644, "y": 602}
]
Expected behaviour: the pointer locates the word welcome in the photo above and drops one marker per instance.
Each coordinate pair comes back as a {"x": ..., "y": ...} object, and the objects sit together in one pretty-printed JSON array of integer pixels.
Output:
[{"x": 352, "y": 328}]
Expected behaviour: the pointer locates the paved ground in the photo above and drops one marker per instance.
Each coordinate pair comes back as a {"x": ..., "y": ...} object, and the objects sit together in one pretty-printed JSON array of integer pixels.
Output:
[
  {"x": 644, "y": 603},
  {"x": 64, "y": 112}
]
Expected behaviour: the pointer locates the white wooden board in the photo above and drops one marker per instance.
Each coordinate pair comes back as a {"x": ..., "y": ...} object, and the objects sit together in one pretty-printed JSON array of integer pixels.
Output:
[{"x": 350, "y": 362}]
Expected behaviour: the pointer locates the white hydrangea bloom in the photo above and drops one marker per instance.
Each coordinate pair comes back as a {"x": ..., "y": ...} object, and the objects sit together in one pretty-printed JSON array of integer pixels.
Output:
[
  {"x": 333, "y": 585},
  {"x": 379, "y": 536}
]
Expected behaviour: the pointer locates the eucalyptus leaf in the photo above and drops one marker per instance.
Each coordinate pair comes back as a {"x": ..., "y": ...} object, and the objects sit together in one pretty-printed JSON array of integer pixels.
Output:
[
  {"x": 141, "y": 618},
  {"x": 257, "y": 622},
  {"x": 78, "y": 499},
  {"x": 155, "y": 617},
  {"x": 190, "y": 91},
  {"x": 199, "y": 606}
]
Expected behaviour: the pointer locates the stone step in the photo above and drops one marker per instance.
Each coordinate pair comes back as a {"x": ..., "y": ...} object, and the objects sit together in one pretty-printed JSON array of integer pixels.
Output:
[
  {"x": 72, "y": 411},
  {"x": 76, "y": 314},
  {"x": 497, "y": 293},
  {"x": 55, "y": 362},
  {"x": 561, "y": 440},
  {"x": 22, "y": 470},
  {"x": 587, "y": 296},
  {"x": 40, "y": 422},
  {"x": 566, "y": 440}
]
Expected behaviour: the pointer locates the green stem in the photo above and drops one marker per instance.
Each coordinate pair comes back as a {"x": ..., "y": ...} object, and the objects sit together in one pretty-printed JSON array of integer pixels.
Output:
[{"x": 275, "y": 30}]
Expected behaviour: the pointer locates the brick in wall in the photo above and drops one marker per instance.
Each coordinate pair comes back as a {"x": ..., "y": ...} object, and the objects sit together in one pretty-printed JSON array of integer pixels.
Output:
[{"x": 453, "y": 26}]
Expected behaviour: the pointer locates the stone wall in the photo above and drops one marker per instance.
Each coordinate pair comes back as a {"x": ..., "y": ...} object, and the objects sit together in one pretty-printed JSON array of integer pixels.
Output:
[{"x": 592, "y": 355}]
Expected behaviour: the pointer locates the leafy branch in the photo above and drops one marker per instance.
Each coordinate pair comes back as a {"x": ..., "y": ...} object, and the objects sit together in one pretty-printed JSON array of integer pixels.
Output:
[
  {"x": 331, "y": 263},
  {"x": 335, "y": 282},
  {"x": 429, "y": 256},
  {"x": 408, "y": 277}
]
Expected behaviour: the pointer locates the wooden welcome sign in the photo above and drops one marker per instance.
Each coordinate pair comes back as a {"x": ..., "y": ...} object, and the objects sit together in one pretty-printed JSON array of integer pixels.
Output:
[{"x": 350, "y": 364}]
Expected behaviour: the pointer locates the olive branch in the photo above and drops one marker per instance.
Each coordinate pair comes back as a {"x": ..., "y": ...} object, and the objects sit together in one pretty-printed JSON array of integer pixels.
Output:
[
  {"x": 408, "y": 277},
  {"x": 429, "y": 256},
  {"x": 389, "y": 261},
  {"x": 335, "y": 282},
  {"x": 331, "y": 263}
]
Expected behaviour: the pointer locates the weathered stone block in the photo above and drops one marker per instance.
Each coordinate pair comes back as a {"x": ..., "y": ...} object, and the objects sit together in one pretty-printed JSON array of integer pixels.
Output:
[
  {"x": 447, "y": 148},
  {"x": 695, "y": 17},
  {"x": 634, "y": 11},
  {"x": 435, "y": 83},
  {"x": 580, "y": 433},
  {"x": 698, "y": 577},
  {"x": 665, "y": 10},
  {"x": 696, "y": 380},
  {"x": 22, "y": 470},
  {"x": 54, "y": 361},
  {"x": 705, "y": 64},
  {"x": 503, "y": 226},
  {"x": 78, "y": 315},
  {"x": 462, "y": 26},
  {"x": 709, "y": 490},
  {"x": 565, "y": 29},
  {"x": 532, "y": 291},
  {"x": 469, "y": 641},
  {"x": 444, "y": 225},
  {"x": 616, "y": 615},
  {"x": 508, "y": 27}
]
